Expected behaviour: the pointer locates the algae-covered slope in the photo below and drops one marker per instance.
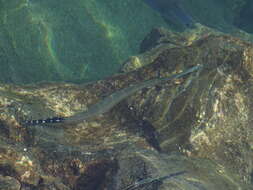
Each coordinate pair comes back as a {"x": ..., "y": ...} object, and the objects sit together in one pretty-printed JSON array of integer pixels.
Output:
[{"x": 198, "y": 125}]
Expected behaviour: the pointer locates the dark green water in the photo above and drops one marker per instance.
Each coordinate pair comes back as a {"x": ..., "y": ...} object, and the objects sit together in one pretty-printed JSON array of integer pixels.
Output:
[{"x": 86, "y": 40}]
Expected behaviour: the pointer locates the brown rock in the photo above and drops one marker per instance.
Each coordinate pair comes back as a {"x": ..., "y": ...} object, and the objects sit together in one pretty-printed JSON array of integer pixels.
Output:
[{"x": 199, "y": 123}]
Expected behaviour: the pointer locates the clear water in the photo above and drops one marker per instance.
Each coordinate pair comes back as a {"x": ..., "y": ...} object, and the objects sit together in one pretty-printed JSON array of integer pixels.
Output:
[{"x": 86, "y": 40}]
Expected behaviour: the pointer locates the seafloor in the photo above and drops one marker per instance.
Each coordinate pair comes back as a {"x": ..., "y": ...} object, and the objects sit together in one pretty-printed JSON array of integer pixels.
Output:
[
  {"x": 147, "y": 127},
  {"x": 199, "y": 124}
]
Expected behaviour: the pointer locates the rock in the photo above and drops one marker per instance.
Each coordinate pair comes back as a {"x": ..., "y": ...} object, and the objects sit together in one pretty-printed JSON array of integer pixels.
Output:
[
  {"x": 9, "y": 183},
  {"x": 199, "y": 123}
]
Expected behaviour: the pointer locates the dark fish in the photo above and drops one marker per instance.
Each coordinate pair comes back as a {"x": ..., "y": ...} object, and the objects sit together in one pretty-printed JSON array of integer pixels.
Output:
[{"x": 172, "y": 12}]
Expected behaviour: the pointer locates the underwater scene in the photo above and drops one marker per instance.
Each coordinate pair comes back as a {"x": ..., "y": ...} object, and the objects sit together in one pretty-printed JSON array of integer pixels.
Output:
[{"x": 126, "y": 95}]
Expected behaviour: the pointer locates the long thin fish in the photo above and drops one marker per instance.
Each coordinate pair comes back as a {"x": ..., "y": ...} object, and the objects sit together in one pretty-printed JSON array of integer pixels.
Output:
[
  {"x": 110, "y": 101},
  {"x": 151, "y": 180}
]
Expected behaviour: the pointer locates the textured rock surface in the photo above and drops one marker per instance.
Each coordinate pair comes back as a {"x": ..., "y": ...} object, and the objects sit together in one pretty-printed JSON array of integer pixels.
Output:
[
  {"x": 200, "y": 124},
  {"x": 9, "y": 183}
]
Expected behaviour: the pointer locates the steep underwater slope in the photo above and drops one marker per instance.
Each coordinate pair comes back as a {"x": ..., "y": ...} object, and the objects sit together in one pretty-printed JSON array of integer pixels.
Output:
[{"x": 199, "y": 125}]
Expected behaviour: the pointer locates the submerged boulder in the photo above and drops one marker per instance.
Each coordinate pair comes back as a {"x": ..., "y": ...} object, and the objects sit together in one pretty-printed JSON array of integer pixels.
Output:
[{"x": 197, "y": 126}]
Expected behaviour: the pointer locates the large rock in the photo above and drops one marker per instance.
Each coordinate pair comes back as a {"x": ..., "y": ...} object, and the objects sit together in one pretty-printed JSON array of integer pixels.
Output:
[{"x": 198, "y": 125}]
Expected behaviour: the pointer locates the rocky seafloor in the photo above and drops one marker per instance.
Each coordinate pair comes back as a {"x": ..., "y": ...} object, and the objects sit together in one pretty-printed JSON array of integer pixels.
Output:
[{"x": 191, "y": 133}]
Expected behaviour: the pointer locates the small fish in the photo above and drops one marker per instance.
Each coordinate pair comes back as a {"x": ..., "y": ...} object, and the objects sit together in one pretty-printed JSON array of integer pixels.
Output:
[{"x": 151, "y": 180}]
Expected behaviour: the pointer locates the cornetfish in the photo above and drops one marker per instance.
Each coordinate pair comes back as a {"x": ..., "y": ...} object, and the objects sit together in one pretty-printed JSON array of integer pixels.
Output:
[{"x": 110, "y": 101}]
